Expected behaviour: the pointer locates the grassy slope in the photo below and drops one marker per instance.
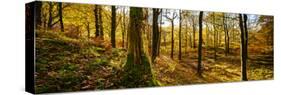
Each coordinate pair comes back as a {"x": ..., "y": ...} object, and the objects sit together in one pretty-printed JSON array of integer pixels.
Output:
[{"x": 66, "y": 64}]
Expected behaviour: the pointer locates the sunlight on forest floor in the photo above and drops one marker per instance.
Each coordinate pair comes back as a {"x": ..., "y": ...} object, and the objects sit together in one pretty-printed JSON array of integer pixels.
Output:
[
  {"x": 223, "y": 70},
  {"x": 66, "y": 64}
]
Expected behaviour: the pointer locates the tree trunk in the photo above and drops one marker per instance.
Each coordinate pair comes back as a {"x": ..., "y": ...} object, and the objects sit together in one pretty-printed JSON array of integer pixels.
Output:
[
  {"x": 225, "y": 38},
  {"x": 172, "y": 48},
  {"x": 246, "y": 35},
  {"x": 113, "y": 25},
  {"x": 186, "y": 37},
  {"x": 226, "y": 35},
  {"x": 190, "y": 40},
  {"x": 207, "y": 36},
  {"x": 155, "y": 35},
  {"x": 97, "y": 33},
  {"x": 100, "y": 22},
  {"x": 200, "y": 44},
  {"x": 165, "y": 34},
  {"x": 243, "y": 29},
  {"x": 246, "y": 48},
  {"x": 50, "y": 15},
  {"x": 194, "y": 30},
  {"x": 180, "y": 34},
  {"x": 137, "y": 69},
  {"x": 60, "y": 16},
  {"x": 215, "y": 38},
  {"x": 124, "y": 28},
  {"x": 160, "y": 31}
]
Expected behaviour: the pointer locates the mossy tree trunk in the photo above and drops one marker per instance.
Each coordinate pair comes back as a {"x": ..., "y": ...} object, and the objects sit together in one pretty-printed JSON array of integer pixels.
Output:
[{"x": 137, "y": 70}]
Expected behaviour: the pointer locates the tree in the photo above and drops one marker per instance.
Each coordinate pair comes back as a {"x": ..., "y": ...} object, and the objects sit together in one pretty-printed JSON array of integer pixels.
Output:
[
  {"x": 207, "y": 35},
  {"x": 60, "y": 16},
  {"x": 200, "y": 43},
  {"x": 267, "y": 26},
  {"x": 188, "y": 36},
  {"x": 123, "y": 27},
  {"x": 186, "y": 31},
  {"x": 50, "y": 21},
  {"x": 244, "y": 37},
  {"x": 113, "y": 25},
  {"x": 160, "y": 29},
  {"x": 187, "y": 17},
  {"x": 97, "y": 21},
  {"x": 193, "y": 29},
  {"x": 171, "y": 19},
  {"x": 100, "y": 22},
  {"x": 155, "y": 34},
  {"x": 180, "y": 22},
  {"x": 52, "y": 17},
  {"x": 226, "y": 35},
  {"x": 137, "y": 68},
  {"x": 215, "y": 37},
  {"x": 147, "y": 30},
  {"x": 164, "y": 32},
  {"x": 246, "y": 48}
]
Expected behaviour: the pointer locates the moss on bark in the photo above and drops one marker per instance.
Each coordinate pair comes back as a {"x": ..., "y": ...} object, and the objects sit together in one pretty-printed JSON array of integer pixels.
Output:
[{"x": 138, "y": 75}]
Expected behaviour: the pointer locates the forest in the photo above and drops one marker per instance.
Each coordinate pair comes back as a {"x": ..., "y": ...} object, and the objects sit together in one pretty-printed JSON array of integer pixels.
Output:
[{"x": 96, "y": 47}]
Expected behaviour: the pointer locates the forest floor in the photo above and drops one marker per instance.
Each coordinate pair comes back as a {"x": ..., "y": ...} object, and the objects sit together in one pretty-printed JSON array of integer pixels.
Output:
[
  {"x": 224, "y": 69},
  {"x": 68, "y": 64}
]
